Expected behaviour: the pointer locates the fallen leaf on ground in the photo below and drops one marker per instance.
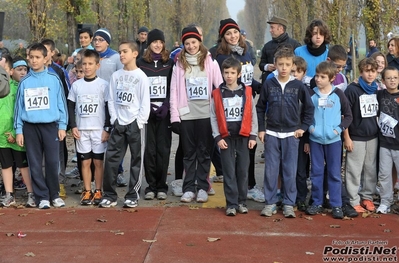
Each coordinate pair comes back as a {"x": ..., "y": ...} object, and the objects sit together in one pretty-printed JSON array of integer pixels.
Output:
[
  {"x": 2, "y": 214},
  {"x": 323, "y": 214},
  {"x": 130, "y": 210},
  {"x": 30, "y": 254},
  {"x": 193, "y": 207},
  {"x": 50, "y": 222},
  {"x": 71, "y": 211},
  {"x": 119, "y": 233},
  {"x": 382, "y": 224},
  {"x": 375, "y": 215},
  {"x": 10, "y": 234},
  {"x": 21, "y": 207},
  {"x": 190, "y": 244},
  {"x": 335, "y": 226},
  {"x": 277, "y": 219},
  {"x": 23, "y": 215},
  {"x": 387, "y": 230},
  {"x": 39, "y": 242},
  {"x": 48, "y": 213},
  {"x": 213, "y": 239},
  {"x": 365, "y": 214},
  {"x": 150, "y": 240},
  {"x": 347, "y": 218},
  {"x": 309, "y": 253},
  {"x": 309, "y": 218},
  {"x": 102, "y": 220}
]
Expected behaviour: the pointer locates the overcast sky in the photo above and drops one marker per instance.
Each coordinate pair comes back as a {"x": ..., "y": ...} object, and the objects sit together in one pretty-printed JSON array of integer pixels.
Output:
[{"x": 234, "y": 7}]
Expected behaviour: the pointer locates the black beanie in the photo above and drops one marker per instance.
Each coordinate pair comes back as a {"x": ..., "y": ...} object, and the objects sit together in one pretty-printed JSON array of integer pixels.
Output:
[
  {"x": 190, "y": 32},
  {"x": 142, "y": 29},
  {"x": 155, "y": 34},
  {"x": 227, "y": 24}
]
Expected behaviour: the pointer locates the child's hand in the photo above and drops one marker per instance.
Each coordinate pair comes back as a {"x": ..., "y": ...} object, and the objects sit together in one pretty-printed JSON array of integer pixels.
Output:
[
  {"x": 348, "y": 144},
  {"x": 251, "y": 144},
  {"x": 10, "y": 138},
  {"x": 306, "y": 148},
  {"x": 104, "y": 136},
  {"x": 298, "y": 133},
  {"x": 20, "y": 140},
  {"x": 222, "y": 144},
  {"x": 61, "y": 135},
  {"x": 75, "y": 133},
  {"x": 261, "y": 136}
]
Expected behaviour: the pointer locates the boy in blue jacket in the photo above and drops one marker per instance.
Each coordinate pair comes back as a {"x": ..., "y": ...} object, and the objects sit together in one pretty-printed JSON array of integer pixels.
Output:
[
  {"x": 325, "y": 138},
  {"x": 280, "y": 98},
  {"x": 40, "y": 123}
]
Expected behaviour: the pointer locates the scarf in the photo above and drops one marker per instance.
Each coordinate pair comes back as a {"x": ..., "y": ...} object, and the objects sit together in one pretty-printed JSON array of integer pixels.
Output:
[
  {"x": 237, "y": 48},
  {"x": 369, "y": 89},
  {"x": 107, "y": 53},
  {"x": 281, "y": 38},
  {"x": 192, "y": 59},
  {"x": 156, "y": 56},
  {"x": 316, "y": 51}
]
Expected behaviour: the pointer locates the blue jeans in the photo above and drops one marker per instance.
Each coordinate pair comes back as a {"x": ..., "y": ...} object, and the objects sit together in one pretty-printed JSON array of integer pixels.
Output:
[
  {"x": 284, "y": 151},
  {"x": 331, "y": 155}
]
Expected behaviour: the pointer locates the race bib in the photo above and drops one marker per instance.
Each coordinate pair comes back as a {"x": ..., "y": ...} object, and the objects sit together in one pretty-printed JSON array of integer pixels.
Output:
[
  {"x": 247, "y": 74},
  {"x": 88, "y": 105},
  {"x": 124, "y": 94},
  {"x": 233, "y": 108},
  {"x": 37, "y": 99},
  {"x": 387, "y": 125},
  {"x": 325, "y": 103},
  {"x": 157, "y": 87},
  {"x": 197, "y": 88},
  {"x": 368, "y": 105}
]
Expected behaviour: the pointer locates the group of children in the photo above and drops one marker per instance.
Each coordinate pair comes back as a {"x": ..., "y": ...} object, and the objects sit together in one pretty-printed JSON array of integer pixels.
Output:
[{"x": 294, "y": 116}]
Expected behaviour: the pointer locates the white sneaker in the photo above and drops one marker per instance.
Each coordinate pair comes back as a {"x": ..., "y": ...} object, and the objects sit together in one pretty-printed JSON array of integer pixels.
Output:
[
  {"x": 58, "y": 202},
  {"x": 211, "y": 191},
  {"x": 149, "y": 196},
  {"x": 187, "y": 197},
  {"x": 202, "y": 196},
  {"x": 177, "y": 187},
  {"x": 73, "y": 174},
  {"x": 383, "y": 209},
  {"x": 256, "y": 194},
  {"x": 44, "y": 204}
]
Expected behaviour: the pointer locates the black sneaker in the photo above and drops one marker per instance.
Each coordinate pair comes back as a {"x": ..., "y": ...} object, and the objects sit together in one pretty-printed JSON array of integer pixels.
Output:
[
  {"x": 301, "y": 206},
  {"x": 349, "y": 211},
  {"x": 314, "y": 210},
  {"x": 337, "y": 213}
]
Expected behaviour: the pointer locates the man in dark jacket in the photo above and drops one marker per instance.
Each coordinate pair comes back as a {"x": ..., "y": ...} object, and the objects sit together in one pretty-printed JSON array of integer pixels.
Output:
[
  {"x": 372, "y": 48},
  {"x": 278, "y": 27},
  {"x": 142, "y": 40}
]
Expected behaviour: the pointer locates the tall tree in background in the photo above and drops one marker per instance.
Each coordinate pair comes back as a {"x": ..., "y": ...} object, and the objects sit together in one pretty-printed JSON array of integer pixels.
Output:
[{"x": 38, "y": 18}]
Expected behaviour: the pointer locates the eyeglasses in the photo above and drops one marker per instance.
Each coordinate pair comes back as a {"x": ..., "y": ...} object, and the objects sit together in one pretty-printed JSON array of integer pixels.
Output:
[
  {"x": 391, "y": 78},
  {"x": 98, "y": 40}
]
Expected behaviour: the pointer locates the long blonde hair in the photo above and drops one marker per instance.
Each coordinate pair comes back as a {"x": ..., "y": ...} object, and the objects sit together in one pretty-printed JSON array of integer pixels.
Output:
[{"x": 201, "y": 58}]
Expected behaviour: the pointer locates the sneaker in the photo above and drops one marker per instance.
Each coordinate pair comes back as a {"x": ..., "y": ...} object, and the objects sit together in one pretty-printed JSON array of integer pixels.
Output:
[
  {"x": 8, "y": 200},
  {"x": 269, "y": 210},
  {"x": 314, "y": 209},
  {"x": 162, "y": 196},
  {"x": 242, "y": 209},
  {"x": 31, "y": 200},
  {"x": 288, "y": 211},
  {"x": 130, "y": 203},
  {"x": 256, "y": 194},
  {"x": 80, "y": 189},
  {"x": 177, "y": 187},
  {"x": 349, "y": 211},
  {"x": 211, "y": 191},
  {"x": 97, "y": 196},
  {"x": 73, "y": 174},
  {"x": 187, "y": 197},
  {"x": 202, "y": 196},
  {"x": 359, "y": 209},
  {"x": 337, "y": 213},
  {"x": 120, "y": 180},
  {"x": 217, "y": 179},
  {"x": 301, "y": 206},
  {"x": 149, "y": 196},
  {"x": 44, "y": 204},
  {"x": 368, "y": 204},
  {"x": 231, "y": 212},
  {"x": 86, "y": 198},
  {"x": 74, "y": 159},
  {"x": 105, "y": 203},
  {"x": 383, "y": 209},
  {"x": 62, "y": 193},
  {"x": 58, "y": 202},
  {"x": 19, "y": 185}
]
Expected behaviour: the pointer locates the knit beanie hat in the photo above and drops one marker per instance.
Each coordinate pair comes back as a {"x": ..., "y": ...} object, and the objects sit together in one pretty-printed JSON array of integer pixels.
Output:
[
  {"x": 142, "y": 29},
  {"x": 155, "y": 34},
  {"x": 190, "y": 32},
  {"x": 227, "y": 24},
  {"x": 104, "y": 33}
]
